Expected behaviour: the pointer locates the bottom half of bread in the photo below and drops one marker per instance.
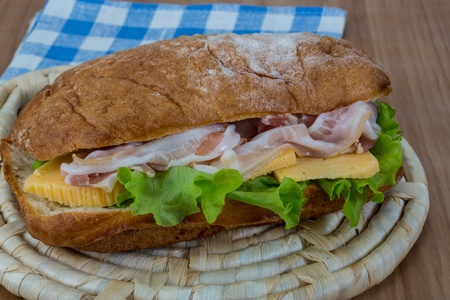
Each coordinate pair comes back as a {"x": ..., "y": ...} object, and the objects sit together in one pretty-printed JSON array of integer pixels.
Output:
[{"x": 116, "y": 229}]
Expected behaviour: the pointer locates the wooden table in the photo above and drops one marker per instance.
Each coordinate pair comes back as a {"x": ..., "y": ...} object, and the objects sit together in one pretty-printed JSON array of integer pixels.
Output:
[{"x": 412, "y": 39}]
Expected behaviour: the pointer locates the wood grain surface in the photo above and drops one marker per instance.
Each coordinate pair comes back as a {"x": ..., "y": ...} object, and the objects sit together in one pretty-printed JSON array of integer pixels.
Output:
[{"x": 412, "y": 39}]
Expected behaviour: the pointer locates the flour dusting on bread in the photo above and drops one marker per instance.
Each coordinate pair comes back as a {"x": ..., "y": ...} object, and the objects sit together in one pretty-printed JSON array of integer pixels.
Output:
[{"x": 173, "y": 85}]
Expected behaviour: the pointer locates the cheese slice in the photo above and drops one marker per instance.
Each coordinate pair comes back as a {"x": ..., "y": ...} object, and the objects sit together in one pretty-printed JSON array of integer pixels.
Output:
[
  {"x": 353, "y": 165},
  {"x": 283, "y": 159},
  {"x": 47, "y": 182}
]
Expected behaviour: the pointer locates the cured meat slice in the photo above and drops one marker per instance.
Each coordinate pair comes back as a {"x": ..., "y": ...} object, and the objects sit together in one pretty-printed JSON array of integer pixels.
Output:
[
  {"x": 331, "y": 134},
  {"x": 175, "y": 150}
]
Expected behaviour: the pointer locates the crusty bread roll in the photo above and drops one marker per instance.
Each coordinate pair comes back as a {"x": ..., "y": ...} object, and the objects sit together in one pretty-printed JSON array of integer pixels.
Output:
[
  {"x": 115, "y": 229},
  {"x": 171, "y": 86}
]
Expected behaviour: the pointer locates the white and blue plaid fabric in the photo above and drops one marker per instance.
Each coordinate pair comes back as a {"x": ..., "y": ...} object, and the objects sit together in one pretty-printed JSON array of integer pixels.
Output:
[{"x": 69, "y": 32}]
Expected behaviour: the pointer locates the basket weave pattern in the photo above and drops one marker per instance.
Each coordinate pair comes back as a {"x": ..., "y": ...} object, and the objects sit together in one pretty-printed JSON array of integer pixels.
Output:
[{"x": 322, "y": 258}]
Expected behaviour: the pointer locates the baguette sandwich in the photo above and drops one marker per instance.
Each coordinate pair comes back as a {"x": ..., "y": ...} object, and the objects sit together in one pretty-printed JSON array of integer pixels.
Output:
[{"x": 182, "y": 138}]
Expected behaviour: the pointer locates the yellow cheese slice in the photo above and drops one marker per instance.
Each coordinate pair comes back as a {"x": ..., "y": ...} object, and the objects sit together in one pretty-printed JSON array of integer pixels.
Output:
[
  {"x": 353, "y": 165},
  {"x": 47, "y": 182},
  {"x": 283, "y": 159}
]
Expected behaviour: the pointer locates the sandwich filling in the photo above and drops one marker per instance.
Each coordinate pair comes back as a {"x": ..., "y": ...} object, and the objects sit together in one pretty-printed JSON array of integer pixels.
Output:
[
  {"x": 231, "y": 159},
  {"x": 245, "y": 146}
]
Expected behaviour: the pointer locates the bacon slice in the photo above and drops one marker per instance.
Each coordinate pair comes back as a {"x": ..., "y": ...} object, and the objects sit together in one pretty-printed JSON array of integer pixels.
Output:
[
  {"x": 228, "y": 140},
  {"x": 106, "y": 181},
  {"x": 104, "y": 153},
  {"x": 306, "y": 119},
  {"x": 331, "y": 134},
  {"x": 369, "y": 135},
  {"x": 274, "y": 121},
  {"x": 210, "y": 143},
  {"x": 174, "y": 150}
]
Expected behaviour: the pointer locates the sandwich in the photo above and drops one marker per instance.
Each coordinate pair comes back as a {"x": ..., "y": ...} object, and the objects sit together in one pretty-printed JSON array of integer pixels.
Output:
[{"x": 183, "y": 138}]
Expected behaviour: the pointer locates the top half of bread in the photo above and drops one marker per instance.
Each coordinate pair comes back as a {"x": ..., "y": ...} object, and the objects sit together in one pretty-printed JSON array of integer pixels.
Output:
[{"x": 173, "y": 85}]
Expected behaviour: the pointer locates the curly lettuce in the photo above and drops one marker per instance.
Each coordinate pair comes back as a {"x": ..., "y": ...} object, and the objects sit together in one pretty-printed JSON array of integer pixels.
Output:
[
  {"x": 179, "y": 192},
  {"x": 176, "y": 193},
  {"x": 285, "y": 198},
  {"x": 388, "y": 152}
]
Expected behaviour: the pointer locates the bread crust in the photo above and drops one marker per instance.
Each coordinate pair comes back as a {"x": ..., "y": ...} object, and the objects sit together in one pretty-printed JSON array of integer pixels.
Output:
[
  {"x": 114, "y": 229},
  {"x": 173, "y": 85}
]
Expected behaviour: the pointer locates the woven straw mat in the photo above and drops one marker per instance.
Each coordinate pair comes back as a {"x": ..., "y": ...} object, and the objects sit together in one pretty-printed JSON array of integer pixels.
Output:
[{"x": 322, "y": 258}]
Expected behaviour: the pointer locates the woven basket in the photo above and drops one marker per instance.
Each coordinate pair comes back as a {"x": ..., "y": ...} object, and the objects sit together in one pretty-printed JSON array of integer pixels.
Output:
[{"x": 319, "y": 259}]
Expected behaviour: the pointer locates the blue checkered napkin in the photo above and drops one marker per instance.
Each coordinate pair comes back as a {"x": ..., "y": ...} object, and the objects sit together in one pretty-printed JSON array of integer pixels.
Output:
[{"x": 70, "y": 32}]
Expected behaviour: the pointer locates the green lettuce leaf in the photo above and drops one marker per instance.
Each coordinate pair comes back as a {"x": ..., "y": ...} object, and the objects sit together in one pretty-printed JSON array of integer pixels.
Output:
[
  {"x": 38, "y": 163},
  {"x": 285, "y": 198},
  {"x": 212, "y": 198},
  {"x": 386, "y": 121},
  {"x": 174, "y": 194},
  {"x": 388, "y": 152}
]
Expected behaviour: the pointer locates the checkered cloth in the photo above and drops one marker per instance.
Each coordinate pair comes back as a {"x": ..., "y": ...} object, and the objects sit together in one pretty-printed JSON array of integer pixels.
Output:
[{"x": 70, "y": 32}]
